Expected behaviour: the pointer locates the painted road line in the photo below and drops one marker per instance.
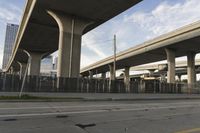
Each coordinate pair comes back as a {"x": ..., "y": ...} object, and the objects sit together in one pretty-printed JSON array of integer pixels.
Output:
[
  {"x": 197, "y": 104},
  {"x": 85, "y": 112},
  {"x": 55, "y": 107}
]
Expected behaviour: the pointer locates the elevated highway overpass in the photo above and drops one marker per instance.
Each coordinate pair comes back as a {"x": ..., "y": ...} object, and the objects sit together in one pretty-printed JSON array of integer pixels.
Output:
[
  {"x": 179, "y": 64},
  {"x": 181, "y": 42},
  {"x": 181, "y": 69},
  {"x": 50, "y": 25}
]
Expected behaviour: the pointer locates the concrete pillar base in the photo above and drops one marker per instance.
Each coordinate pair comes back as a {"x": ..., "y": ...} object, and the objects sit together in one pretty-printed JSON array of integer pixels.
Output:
[
  {"x": 34, "y": 64},
  {"x": 22, "y": 70},
  {"x": 103, "y": 75},
  {"x": 90, "y": 74},
  {"x": 127, "y": 79},
  {"x": 191, "y": 68},
  {"x": 151, "y": 72},
  {"x": 179, "y": 77},
  {"x": 171, "y": 65},
  {"x": 12, "y": 70}
]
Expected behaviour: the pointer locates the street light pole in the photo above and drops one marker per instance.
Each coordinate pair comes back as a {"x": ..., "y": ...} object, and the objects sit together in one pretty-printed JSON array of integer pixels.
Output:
[{"x": 114, "y": 62}]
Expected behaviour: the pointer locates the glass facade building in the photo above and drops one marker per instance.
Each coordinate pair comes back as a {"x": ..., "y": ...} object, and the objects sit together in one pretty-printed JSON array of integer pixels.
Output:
[{"x": 11, "y": 31}]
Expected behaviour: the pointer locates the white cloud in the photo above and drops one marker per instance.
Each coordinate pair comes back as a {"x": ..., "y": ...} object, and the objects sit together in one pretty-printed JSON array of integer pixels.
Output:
[
  {"x": 94, "y": 48},
  {"x": 166, "y": 17},
  {"x": 85, "y": 60},
  {"x": 137, "y": 27},
  {"x": 89, "y": 42},
  {"x": 10, "y": 13}
]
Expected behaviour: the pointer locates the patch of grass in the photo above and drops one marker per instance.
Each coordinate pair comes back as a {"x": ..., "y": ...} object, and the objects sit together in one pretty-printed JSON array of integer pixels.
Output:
[
  {"x": 23, "y": 97},
  {"x": 29, "y": 97}
]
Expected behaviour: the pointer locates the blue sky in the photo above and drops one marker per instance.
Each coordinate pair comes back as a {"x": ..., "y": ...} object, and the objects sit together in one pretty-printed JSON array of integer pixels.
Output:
[{"x": 142, "y": 22}]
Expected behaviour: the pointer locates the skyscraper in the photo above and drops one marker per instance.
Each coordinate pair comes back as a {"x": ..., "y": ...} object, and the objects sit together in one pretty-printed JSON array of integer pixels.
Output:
[
  {"x": 55, "y": 63},
  {"x": 11, "y": 31}
]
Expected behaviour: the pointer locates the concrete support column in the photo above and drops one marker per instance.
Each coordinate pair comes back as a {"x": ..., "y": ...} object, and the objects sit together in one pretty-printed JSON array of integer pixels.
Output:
[
  {"x": 9, "y": 71},
  {"x": 69, "y": 50},
  {"x": 163, "y": 77},
  {"x": 103, "y": 75},
  {"x": 22, "y": 69},
  {"x": 112, "y": 73},
  {"x": 191, "y": 68},
  {"x": 15, "y": 72},
  {"x": 151, "y": 71},
  {"x": 179, "y": 77},
  {"x": 171, "y": 65},
  {"x": 127, "y": 79},
  {"x": 12, "y": 70},
  {"x": 34, "y": 66},
  {"x": 90, "y": 74}
]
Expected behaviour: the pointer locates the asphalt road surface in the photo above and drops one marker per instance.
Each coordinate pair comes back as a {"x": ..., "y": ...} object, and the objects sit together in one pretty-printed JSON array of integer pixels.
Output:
[{"x": 173, "y": 116}]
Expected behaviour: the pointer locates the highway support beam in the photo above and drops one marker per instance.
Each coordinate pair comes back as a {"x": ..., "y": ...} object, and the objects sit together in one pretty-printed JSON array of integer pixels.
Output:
[
  {"x": 12, "y": 70},
  {"x": 34, "y": 63},
  {"x": 127, "y": 79},
  {"x": 103, "y": 75},
  {"x": 90, "y": 74},
  {"x": 112, "y": 72},
  {"x": 191, "y": 68},
  {"x": 151, "y": 71},
  {"x": 171, "y": 65},
  {"x": 69, "y": 50},
  {"x": 179, "y": 77}
]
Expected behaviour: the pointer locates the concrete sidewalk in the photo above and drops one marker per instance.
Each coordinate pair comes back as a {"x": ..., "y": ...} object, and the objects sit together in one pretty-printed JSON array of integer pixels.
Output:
[{"x": 107, "y": 96}]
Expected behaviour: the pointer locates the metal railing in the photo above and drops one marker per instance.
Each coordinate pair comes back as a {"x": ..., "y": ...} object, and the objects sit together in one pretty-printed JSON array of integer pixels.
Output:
[{"x": 13, "y": 83}]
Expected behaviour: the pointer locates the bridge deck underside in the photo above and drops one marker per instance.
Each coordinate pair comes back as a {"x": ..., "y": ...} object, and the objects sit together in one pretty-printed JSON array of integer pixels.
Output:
[{"x": 42, "y": 32}]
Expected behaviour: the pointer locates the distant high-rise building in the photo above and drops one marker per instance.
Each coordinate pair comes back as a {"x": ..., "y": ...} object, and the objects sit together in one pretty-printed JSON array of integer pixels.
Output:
[
  {"x": 11, "y": 32},
  {"x": 46, "y": 66},
  {"x": 55, "y": 63}
]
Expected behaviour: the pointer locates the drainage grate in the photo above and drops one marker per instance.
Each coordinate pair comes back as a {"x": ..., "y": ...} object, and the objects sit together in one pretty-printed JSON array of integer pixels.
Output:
[
  {"x": 10, "y": 120},
  {"x": 83, "y": 126}
]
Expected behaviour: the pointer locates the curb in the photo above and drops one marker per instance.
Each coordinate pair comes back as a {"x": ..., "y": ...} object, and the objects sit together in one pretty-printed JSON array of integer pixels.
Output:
[
  {"x": 103, "y": 99},
  {"x": 142, "y": 99}
]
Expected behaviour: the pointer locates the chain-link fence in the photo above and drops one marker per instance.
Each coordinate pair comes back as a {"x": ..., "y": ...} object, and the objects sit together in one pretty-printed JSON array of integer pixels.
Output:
[{"x": 13, "y": 83}]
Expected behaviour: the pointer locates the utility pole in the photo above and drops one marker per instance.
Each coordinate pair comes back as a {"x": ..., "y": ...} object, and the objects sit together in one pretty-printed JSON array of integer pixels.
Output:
[
  {"x": 113, "y": 68},
  {"x": 114, "y": 62},
  {"x": 25, "y": 75}
]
